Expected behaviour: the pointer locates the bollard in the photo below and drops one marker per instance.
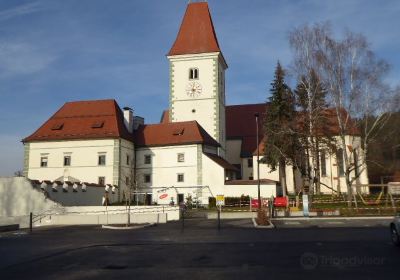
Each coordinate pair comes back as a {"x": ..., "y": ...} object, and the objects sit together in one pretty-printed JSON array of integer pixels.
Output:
[{"x": 30, "y": 222}]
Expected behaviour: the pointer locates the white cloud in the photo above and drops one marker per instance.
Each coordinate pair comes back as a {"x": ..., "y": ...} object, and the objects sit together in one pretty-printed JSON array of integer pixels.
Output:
[
  {"x": 22, "y": 58},
  {"x": 21, "y": 10}
]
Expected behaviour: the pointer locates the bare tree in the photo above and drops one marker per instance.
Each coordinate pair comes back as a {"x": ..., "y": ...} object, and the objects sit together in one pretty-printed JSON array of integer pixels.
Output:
[
  {"x": 354, "y": 79},
  {"x": 307, "y": 43},
  {"x": 133, "y": 183}
]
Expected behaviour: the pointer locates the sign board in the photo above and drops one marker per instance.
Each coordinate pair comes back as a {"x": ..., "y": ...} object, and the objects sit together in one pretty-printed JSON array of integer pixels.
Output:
[
  {"x": 164, "y": 195},
  {"x": 254, "y": 202},
  {"x": 220, "y": 200},
  {"x": 394, "y": 187},
  {"x": 306, "y": 212}
]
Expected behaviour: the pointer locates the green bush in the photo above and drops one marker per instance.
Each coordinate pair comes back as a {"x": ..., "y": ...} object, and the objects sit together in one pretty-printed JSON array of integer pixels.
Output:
[
  {"x": 212, "y": 202},
  {"x": 237, "y": 200}
]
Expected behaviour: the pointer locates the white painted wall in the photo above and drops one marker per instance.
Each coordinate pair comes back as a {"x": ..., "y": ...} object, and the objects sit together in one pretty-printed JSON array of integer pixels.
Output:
[
  {"x": 209, "y": 106},
  {"x": 125, "y": 168},
  {"x": 233, "y": 149},
  {"x": 332, "y": 178},
  {"x": 247, "y": 171},
  {"x": 165, "y": 167},
  {"x": 92, "y": 196},
  {"x": 266, "y": 191},
  {"x": 213, "y": 175},
  {"x": 84, "y": 160}
]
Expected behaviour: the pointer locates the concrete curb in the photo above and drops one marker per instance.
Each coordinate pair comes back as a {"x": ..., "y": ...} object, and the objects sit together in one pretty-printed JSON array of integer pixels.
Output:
[
  {"x": 126, "y": 228},
  {"x": 12, "y": 227},
  {"x": 258, "y": 226}
]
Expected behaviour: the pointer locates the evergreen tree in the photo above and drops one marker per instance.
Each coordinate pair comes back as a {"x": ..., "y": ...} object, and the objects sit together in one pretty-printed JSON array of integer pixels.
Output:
[{"x": 280, "y": 144}]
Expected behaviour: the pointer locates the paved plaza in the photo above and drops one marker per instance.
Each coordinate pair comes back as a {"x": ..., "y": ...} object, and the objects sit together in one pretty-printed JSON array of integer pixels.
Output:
[{"x": 300, "y": 250}]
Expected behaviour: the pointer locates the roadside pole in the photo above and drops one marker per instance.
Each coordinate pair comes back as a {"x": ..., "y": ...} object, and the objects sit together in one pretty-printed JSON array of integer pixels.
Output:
[
  {"x": 220, "y": 200},
  {"x": 219, "y": 218},
  {"x": 30, "y": 222}
]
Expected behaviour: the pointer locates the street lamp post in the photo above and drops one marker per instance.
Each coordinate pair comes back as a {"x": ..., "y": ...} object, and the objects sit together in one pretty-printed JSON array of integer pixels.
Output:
[{"x": 258, "y": 163}]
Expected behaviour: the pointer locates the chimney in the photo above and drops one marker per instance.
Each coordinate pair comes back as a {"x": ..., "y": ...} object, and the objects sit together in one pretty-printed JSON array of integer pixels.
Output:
[{"x": 128, "y": 119}]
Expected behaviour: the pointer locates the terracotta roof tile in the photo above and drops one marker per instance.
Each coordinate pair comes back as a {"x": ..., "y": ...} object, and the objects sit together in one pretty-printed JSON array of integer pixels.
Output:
[
  {"x": 165, "y": 117},
  {"x": 196, "y": 34},
  {"x": 222, "y": 162},
  {"x": 95, "y": 119},
  {"x": 177, "y": 133},
  {"x": 241, "y": 124}
]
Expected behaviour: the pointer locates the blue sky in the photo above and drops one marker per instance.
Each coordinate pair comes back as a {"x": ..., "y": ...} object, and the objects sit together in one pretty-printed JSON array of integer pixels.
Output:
[{"x": 52, "y": 52}]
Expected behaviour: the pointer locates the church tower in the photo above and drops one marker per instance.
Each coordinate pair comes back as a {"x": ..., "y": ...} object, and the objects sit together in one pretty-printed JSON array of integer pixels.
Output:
[{"x": 197, "y": 74}]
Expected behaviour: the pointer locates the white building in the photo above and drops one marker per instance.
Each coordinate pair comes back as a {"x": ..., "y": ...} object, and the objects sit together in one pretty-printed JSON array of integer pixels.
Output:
[{"x": 201, "y": 147}]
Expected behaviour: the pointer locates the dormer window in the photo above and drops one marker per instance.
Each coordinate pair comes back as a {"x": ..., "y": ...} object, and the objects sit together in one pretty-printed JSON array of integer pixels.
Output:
[
  {"x": 193, "y": 74},
  {"x": 57, "y": 126},
  {"x": 98, "y": 124},
  {"x": 178, "y": 131}
]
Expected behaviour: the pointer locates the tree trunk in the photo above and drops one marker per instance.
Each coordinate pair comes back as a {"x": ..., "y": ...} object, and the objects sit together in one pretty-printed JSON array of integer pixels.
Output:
[
  {"x": 317, "y": 169},
  {"x": 295, "y": 187},
  {"x": 347, "y": 173},
  {"x": 282, "y": 176}
]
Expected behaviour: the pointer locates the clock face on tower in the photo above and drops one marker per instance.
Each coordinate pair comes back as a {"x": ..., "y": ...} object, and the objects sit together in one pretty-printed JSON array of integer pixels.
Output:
[{"x": 193, "y": 89}]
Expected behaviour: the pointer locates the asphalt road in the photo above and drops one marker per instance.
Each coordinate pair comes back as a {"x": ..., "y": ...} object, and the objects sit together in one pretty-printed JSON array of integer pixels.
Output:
[{"x": 238, "y": 251}]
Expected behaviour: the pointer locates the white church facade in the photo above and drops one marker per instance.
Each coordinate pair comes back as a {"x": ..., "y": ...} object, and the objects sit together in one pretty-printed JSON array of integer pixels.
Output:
[{"x": 201, "y": 148}]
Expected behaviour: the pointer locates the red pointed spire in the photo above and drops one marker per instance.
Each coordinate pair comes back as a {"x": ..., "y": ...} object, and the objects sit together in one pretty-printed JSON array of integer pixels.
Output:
[{"x": 196, "y": 34}]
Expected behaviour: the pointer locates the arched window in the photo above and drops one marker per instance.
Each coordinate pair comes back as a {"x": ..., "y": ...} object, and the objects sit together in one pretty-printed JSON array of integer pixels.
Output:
[{"x": 193, "y": 74}]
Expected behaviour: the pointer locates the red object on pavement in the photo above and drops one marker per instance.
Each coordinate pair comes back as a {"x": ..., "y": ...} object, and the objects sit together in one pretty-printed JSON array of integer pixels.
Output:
[
  {"x": 281, "y": 201},
  {"x": 254, "y": 203}
]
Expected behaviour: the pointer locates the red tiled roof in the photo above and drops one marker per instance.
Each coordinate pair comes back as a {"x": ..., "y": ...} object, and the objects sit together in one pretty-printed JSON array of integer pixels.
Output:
[
  {"x": 239, "y": 120},
  {"x": 222, "y": 162},
  {"x": 196, "y": 34},
  {"x": 177, "y": 133},
  {"x": 95, "y": 119},
  {"x": 329, "y": 126},
  {"x": 165, "y": 117},
  {"x": 241, "y": 124}
]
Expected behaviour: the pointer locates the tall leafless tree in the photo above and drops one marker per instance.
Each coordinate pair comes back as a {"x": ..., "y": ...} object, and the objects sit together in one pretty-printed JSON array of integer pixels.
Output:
[{"x": 354, "y": 79}]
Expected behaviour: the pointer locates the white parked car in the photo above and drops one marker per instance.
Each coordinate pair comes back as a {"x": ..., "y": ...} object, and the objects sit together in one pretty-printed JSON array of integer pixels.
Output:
[{"x": 395, "y": 230}]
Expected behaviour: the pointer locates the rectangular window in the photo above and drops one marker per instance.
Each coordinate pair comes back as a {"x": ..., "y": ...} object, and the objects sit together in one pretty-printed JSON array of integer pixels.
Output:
[
  {"x": 181, "y": 157},
  {"x": 102, "y": 160},
  {"x": 340, "y": 163},
  {"x": 323, "y": 163},
  {"x": 147, "y": 178},
  {"x": 43, "y": 162},
  {"x": 127, "y": 181},
  {"x": 249, "y": 162},
  {"x": 128, "y": 160},
  {"x": 147, "y": 159},
  {"x": 181, "y": 177},
  {"x": 193, "y": 74},
  {"x": 102, "y": 181},
  {"x": 67, "y": 160}
]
